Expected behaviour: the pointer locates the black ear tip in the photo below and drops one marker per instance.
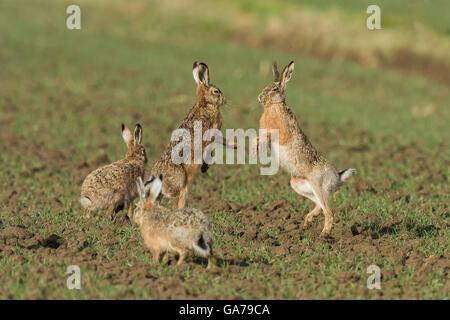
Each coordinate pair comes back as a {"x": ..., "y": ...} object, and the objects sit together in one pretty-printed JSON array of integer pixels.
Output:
[
  {"x": 149, "y": 180},
  {"x": 292, "y": 62},
  {"x": 123, "y": 127},
  {"x": 199, "y": 64},
  {"x": 138, "y": 126},
  {"x": 160, "y": 177}
]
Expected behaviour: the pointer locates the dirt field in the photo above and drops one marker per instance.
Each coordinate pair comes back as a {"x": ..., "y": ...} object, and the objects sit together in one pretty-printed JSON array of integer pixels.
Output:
[
  {"x": 269, "y": 232},
  {"x": 61, "y": 113}
]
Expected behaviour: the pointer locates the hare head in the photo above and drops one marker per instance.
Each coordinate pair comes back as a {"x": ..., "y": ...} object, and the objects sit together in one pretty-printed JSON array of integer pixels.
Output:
[
  {"x": 206, "y": 93},
  {"x": 134, "y": 142},
  {"x": 276, "y": 91}
]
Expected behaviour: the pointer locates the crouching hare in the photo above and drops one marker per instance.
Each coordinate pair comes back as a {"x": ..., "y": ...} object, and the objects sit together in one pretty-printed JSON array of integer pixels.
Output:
[
  {"x": 109, "y": 187},
  {"x": 312, "y": 176},
  {"x": 181, "y": 231}
]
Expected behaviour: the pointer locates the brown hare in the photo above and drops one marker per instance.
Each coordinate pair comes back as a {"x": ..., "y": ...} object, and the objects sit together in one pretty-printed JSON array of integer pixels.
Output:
[
  {"x": 177, "y": 177},
  {"x": 181, "y": 231},
  {"x": 312, "y": 176},
  {"x": 113, "y": 185}
]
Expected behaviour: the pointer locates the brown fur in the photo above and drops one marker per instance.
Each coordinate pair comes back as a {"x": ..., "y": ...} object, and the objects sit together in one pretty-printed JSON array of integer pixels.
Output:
[
  {"x": 177, "y": 177},
  {"x": 312, "y": 176},
  {"x": 113, "y": 185},
  {"x": 179, "y": 231}
]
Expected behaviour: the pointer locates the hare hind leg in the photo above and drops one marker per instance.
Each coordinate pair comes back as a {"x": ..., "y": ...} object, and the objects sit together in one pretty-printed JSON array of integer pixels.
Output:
[
  {"x": 86, "y": 213},
  {"x": 181, "y": 200},
  {"x": 111, "y": 211},
  {"x": 156, "y": 255},
  {"x": 311, "y": 215},
  {"x": 165, "y": 257},
  {"x": 183, "y": 254},
  {"x": 303, "y": 188},
  {"x": 130, "y": 210},
  {"x": 182, "y": 197},
  {"x": 212, "y": 260},
  {"x": 322, "y": 200}
]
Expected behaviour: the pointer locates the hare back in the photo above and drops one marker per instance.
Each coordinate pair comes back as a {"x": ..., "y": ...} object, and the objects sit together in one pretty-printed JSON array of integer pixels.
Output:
[
  {"x": 210, "y": 118},
  {"x": 162, "y": 218},
  {"x": 175, "y": 177},
  {"x": 101, "y": 200},
  {"x": 118, "y": 177},
  {"x": 188, "y": 217},
  {"x": 208, "y": 114}
]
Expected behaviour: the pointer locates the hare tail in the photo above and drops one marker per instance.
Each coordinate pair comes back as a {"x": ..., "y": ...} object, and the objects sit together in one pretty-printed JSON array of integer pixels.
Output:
[
  {"x": 85, "y": 202},
  {"x": 345, "y": 174},
  {"x": 201, "y": 247}
]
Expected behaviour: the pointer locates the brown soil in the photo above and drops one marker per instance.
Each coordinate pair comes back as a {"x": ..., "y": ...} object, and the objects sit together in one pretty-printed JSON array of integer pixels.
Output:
[{"x": 356, "y": 237}]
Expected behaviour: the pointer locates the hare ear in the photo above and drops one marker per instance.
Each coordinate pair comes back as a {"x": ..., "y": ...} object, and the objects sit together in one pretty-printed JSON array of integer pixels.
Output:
[
  {"x": 138, "y": 134},
  {"x": 156, "y": 187},
  {"x": 141, "y": 189},
  {"x": 201, "y": 73},
  {"x": 126, "y": 135},
  {"x": 286, "y": 75},
  {"x": 276, "y": 73}
]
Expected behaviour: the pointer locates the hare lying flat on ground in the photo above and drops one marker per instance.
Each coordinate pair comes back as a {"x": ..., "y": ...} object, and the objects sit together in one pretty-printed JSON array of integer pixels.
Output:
[
  {"x": 177, "y": 177},
  {"x": 312, "y": 176},
  {"x": 180, "y": 231},
  {"x": 113, "y": 185}
]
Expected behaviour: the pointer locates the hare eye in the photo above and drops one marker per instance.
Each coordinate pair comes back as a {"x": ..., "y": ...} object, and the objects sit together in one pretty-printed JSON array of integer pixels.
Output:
[
  {"x": 275, "y": 89},
  {"x": 216, "y": 91}
]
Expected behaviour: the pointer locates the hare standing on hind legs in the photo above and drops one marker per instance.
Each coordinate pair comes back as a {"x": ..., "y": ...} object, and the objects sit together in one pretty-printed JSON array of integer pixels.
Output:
[
  {"x": 181, "y": 231},
  {"x": 312, "y": 176},
  {"x": 109, "y": 187},
  {"x": 177, "y": 177}
]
